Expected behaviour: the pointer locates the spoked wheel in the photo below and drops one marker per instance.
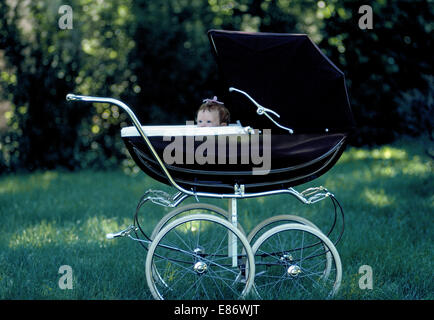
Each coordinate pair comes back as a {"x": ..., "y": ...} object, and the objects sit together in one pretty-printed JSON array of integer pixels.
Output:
[
  {"x": 190, "y": 258},
  {"x": 296, "y": 261},
  {"x": 273, "y": 222},
  {"x": 194, "y": 208}
]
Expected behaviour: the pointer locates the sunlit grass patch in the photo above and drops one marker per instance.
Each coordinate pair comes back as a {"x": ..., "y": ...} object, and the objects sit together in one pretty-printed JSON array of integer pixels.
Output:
[
  {"x": 39, "y": 181},
  {"x": 40, "y": 235},
  {"x": 95, "y": 228},
  {"x": 418, "y": 167},
  {"x": 91, "y": 230},
  {"x": 381, "y": 153},
  {"x": 377, "y": 198}
]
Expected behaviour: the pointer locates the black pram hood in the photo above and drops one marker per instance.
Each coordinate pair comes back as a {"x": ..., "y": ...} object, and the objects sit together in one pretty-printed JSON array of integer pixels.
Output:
[{"x": 287, "y": 73}]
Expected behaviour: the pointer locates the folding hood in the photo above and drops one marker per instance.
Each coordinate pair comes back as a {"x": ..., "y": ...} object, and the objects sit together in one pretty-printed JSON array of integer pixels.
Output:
[{"x": 287, "y": 73}]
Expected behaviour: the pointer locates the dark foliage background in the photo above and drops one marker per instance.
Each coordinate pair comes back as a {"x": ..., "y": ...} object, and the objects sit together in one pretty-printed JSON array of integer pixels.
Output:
[{"x": 155, "y": 56}]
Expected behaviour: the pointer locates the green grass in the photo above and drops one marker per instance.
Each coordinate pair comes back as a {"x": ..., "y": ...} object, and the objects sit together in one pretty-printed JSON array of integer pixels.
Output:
[{"x": 55, "y": 218}]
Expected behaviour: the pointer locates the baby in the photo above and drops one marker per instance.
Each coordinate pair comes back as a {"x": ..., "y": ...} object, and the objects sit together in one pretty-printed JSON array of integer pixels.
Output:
[{"x": 212, "y": 113}]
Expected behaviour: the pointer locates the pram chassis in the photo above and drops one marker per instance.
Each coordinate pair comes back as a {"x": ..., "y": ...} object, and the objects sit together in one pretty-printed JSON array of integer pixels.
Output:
[{"x": 245, "y": 262}]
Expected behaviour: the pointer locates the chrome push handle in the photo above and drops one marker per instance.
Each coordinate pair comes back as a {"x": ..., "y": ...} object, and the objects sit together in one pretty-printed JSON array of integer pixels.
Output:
[
  {"x": 74, "y": 97},
  {"x": 136, "y": 122}
]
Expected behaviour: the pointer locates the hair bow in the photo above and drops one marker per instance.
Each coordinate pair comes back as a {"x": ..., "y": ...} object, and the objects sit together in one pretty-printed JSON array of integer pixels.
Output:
[{"x": 212, "y": 100}]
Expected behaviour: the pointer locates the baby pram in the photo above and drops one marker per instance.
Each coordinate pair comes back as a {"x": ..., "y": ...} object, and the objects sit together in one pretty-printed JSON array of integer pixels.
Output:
[{"x": 200, "y": 251}]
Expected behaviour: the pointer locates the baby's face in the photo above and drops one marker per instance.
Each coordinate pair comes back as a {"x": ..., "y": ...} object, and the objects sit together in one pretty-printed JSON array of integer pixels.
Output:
[{"x": 207, "y": 118}]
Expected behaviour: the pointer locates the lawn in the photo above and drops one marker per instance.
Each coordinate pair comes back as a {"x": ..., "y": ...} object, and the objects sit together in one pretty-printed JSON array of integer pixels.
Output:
[{"x": 55, "y": 218}]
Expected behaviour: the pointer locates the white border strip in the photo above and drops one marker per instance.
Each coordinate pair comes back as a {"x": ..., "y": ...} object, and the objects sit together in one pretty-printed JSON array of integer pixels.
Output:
[{"x": 186, "y": 130}]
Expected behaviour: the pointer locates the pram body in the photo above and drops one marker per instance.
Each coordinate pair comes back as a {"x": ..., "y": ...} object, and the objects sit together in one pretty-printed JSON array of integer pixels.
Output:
[{"x": 305, "y": 130}]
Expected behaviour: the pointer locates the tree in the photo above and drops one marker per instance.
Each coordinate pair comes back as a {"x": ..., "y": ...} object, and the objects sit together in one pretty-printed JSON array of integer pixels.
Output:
[{"x": 380, "y": 63}]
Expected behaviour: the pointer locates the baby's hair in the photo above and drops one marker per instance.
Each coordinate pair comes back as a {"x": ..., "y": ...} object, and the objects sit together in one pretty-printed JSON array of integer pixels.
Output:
[{"x": 214, "y": 105}]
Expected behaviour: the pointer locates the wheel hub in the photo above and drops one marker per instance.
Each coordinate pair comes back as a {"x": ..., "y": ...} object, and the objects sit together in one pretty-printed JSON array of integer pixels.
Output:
[
  {"x": 293, "y": 270},
  {"x": 200, "y": 267}
]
